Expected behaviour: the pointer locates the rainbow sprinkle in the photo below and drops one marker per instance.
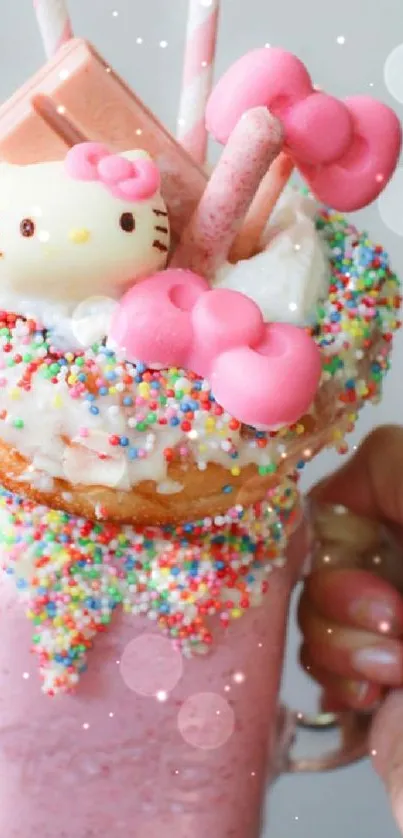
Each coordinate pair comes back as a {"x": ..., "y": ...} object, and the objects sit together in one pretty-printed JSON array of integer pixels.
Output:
[
  {"x": 145, "y": 417},
  {"x": 362, "y": 304},
  {"x": 71, "y": 575}
]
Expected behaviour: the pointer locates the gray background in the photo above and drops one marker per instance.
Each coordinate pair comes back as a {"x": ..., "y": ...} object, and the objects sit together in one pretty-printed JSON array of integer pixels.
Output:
[{"x": 351, "y": 802}]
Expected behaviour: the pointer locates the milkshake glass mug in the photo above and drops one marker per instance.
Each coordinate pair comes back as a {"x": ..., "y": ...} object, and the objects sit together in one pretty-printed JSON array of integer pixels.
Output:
[{"x": 153, "y": 744}]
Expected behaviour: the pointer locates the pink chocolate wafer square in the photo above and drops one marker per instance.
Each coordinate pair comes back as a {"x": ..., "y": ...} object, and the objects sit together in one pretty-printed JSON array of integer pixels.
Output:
[{"x": 77, "y": 96}]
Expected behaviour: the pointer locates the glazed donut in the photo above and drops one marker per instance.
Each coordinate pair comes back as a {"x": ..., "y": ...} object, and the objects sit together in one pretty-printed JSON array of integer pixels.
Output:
[{"x": 87, "y": 428}]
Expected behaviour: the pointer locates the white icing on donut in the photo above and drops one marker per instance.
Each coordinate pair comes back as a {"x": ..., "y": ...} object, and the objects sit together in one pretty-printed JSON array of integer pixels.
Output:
[
  {"x": 291, "y": 275},
  {"x": 169, "y": 487},
  {"x": 84, "y": 461},
  {"x": 53, "y": 423},
  {"x": 74, "y": 246}
]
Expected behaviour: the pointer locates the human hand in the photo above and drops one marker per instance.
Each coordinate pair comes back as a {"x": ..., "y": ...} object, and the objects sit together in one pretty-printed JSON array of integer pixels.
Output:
[{"x": 351, "y": 612}]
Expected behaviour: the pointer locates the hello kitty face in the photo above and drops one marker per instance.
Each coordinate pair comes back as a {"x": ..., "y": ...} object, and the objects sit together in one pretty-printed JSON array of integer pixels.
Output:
[{"x": 90, "y": 225}]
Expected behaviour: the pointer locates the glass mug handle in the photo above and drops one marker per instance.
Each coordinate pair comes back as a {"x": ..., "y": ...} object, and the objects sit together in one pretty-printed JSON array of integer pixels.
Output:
[{"x": 340, "y": 539}]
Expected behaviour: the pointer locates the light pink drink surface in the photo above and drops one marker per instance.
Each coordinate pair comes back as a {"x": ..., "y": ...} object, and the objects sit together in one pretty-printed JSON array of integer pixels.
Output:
[{"x": 109, "y": 762}]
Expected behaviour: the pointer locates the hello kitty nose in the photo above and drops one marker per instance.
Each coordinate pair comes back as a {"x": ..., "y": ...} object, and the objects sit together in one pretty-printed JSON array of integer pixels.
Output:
[{"x": 79, "y": 236}]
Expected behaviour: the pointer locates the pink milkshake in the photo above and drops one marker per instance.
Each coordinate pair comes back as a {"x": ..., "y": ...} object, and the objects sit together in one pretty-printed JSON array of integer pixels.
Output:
[
  {"x": 150, "y": 414},
  {"x": 151, "y": 743}
]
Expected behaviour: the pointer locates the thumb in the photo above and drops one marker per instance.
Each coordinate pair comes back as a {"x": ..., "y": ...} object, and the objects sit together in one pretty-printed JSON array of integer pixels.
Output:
[
  {"x": 386, "y": 748},
  {"x": 371, "y": 482}
]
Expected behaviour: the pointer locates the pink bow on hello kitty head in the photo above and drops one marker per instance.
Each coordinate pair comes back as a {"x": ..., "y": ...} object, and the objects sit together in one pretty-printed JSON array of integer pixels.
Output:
[{"x": 129, "y": 180}]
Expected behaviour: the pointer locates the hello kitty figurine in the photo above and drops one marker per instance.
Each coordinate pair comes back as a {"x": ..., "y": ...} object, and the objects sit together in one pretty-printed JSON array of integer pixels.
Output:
[{"x": 91, "y": 225}]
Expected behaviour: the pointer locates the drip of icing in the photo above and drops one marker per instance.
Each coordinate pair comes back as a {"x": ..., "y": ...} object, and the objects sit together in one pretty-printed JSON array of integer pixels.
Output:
[
  {"x": 92, "y": 460},
  {"x": 291, "y": 275},
  {"x": 169, "y": 487}
]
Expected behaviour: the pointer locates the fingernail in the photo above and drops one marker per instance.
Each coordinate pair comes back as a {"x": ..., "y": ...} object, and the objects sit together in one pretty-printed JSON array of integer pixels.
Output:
[
  {"x": 357, "y": 689},
  {"x": 369, "y": 661},
  {"x": 361, "y": 694},
  {"x": 374, "y": 615}
]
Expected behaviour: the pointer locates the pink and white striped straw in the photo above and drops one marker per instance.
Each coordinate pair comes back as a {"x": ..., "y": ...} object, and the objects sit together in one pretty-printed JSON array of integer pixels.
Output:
[
  {"x": 54, "y": 24},
  {"x": 201, "y": 38}
]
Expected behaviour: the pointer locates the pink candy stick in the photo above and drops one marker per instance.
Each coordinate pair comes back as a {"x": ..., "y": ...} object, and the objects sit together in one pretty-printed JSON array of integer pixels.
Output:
[
  {"x": 248, "y": 240},
  {"x": 201, "y": 38},
  {"x": 54, "y": 24},
  {"x": 253, "y": 145}
]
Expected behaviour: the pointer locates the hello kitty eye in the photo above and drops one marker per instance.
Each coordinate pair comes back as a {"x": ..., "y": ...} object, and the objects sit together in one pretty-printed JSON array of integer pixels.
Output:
[
  {"x": 127, "y": 222},
  {"x": 27, "y": 228}
]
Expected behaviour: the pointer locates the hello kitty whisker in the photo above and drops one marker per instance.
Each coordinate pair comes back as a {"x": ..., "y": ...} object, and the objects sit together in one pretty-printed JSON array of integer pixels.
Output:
[
  {"x": 160, "y": 246},
  {"x": 162, "y": 229},
  {"x": 159, "y": 212}
]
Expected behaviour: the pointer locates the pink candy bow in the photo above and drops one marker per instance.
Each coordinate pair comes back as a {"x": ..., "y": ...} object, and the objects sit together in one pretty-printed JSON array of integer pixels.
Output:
[
  {"x": 347, "y": 151},
  {"x": 264, "y": 375},
  {"x": 129, "y": 180}
]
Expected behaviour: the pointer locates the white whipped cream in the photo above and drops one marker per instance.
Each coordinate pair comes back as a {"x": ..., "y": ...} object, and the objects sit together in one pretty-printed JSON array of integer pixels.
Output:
[{"x": 291, "y": 275}]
